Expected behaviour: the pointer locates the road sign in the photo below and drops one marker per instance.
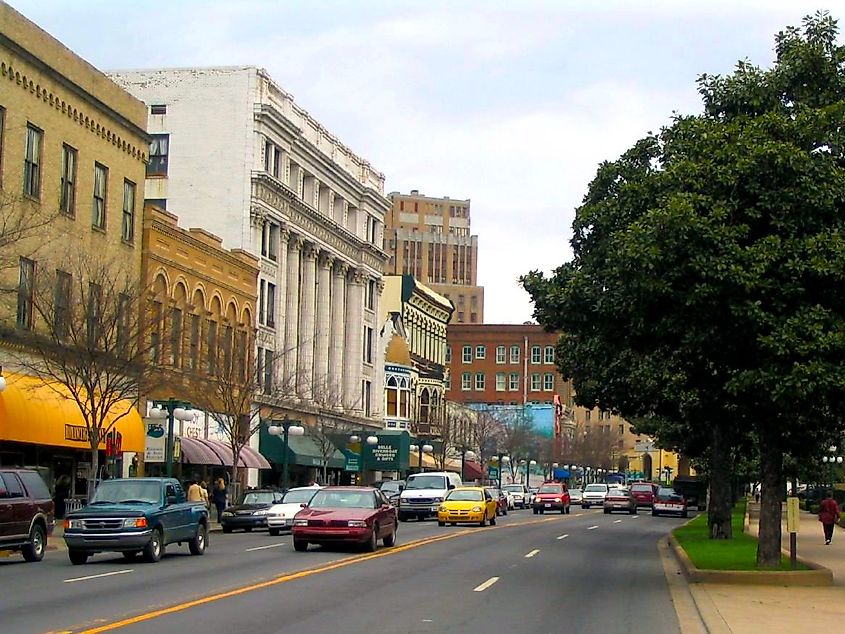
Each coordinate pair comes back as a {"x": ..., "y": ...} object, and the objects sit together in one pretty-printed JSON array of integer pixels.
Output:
[
  {"x": 493, "y": 472},
  {"x": 646, "y": 446},
  {"x": 792, "y": 521}
]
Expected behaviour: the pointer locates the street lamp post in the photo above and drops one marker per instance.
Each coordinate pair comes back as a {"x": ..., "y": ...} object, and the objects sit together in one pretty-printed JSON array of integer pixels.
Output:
[
  {"x": 502, "y": 460},
  {"x": 285, "y": 428},
  {"x": 371, "y": 441},
  {"x": 422, "y": 446},
  {"x": 171, "y": 409},
  {"x": 831, "y": 460},
  {"x": 465, "y": 453}
]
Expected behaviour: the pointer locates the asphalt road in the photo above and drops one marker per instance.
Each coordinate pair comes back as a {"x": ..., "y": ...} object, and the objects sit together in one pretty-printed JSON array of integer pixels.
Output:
[{"x": 586, "y": 572}]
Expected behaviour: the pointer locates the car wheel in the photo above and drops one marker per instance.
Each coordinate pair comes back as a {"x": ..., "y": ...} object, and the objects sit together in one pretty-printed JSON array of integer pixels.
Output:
[
  {"x": 248, "y": 529},
  {"x": 130, "y": 555},
  {"x": 390, "y": 540},
  {"x": 227, "y": 529},
  {"x": 454, "y": 523},
  {"x": 685, "y": 514},
  {"x": 372, "y": 543},
  {"x": 300, "y": 545},
  {"x": 199, "y": 543},
  {"x": 154, "y": 548},
  {"x": 439, "y": 523},
  {"x": 34, "y": 550},
  {"x": 77, "y": 557},
  {"x": 274, "y": 532},
  {"x": 585, "y": 506}
]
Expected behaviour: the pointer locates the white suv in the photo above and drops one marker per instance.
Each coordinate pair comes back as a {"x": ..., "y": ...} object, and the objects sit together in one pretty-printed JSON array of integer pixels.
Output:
[
  {"x": 424, "y": 492},
  {"x": 593, "y": 495},
  {"x": 520, "y": 493}
]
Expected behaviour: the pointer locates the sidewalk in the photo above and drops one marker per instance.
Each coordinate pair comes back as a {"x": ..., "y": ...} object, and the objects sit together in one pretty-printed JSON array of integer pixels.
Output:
[
  {"x": 56, "y": 541},
  {"x": 774, "y": 609}
]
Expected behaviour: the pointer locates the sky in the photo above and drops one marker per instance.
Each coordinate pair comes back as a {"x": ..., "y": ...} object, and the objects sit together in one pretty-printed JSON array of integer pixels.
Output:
[{"x": 510, "y": 104}]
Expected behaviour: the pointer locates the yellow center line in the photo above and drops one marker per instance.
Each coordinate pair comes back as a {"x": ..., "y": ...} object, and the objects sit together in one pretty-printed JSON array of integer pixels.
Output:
[{"x": 342, "y": 563}]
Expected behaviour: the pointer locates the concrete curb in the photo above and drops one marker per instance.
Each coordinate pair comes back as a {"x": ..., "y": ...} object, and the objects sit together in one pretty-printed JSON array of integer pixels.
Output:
[{"x": 818, "y": 575}]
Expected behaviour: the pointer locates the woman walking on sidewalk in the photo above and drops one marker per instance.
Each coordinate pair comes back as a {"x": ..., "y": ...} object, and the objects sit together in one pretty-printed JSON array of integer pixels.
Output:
[
  {"x": 828, "y": 516},
  {"x": 220, "y": 496}
]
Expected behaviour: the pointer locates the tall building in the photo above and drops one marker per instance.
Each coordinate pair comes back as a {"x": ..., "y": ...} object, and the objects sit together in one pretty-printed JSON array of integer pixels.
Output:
[
  {"x": 233, "y": 153},
  {"x": 72, "y": 152},
  {"x": 430, "y": 238}
]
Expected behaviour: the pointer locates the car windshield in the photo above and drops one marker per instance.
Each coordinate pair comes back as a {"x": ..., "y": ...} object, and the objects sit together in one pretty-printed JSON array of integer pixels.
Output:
[
  {"x": 574, "y": 491},
  {"x": 668, "y": 493},
  {"x": 298, "y": 496},
  {"x": 258, "y": 497},
  {"x": 459, "y": 495},
  {"x": 116, "y": 491},
  {"x": 516, "y": 488},
  {"x": 550, "y": 488},
  {"x": 596, "y": 488},
  {"x": 494, "y": 492},
  {"x": 642, "y": 487},
  {"x": 342, "y": 500},
  {"x": 389, "y": 488},
  {"x": 426, "y": 482}
]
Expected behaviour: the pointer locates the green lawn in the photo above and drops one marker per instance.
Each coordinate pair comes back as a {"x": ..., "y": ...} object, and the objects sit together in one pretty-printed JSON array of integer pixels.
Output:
[{"x": 739, "y": 553}]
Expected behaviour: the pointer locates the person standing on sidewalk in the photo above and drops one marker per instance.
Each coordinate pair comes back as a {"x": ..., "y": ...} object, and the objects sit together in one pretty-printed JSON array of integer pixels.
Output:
[
  {"x": 828, "y": 516},
  {"x": 220, "y": 496}
]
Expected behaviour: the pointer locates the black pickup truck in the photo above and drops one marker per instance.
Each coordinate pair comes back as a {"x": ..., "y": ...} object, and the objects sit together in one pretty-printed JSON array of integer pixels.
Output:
[{"x": 133, "y": 516}]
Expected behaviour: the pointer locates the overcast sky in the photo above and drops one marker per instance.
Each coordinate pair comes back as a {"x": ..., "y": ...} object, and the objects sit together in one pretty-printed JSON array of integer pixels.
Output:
[{"x": 511, "y": 104}]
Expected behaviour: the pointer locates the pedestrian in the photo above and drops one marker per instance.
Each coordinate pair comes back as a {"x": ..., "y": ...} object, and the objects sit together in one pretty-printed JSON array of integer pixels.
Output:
[
  {"x": 220, "y": 496},
  {"x": 828, "y": 516},
  {"x": 757, "y": 493},
  {"x": 194, "y": 492}
]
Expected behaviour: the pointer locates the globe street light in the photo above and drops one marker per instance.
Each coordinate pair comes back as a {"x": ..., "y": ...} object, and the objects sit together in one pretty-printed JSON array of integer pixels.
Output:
[
  {"x": 424, "y": 447},
  {"x": 502, "y": 460},
  {"x": 170, "y": 409},
  {"x": 285, "y": 428}
]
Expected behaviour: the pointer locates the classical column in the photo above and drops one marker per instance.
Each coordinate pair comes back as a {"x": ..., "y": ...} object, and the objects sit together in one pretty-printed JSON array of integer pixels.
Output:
[
  {"x": 353, "y": 353},
  {"x": 378, "y": 373},
  {"x": 281, "y": 296},
  {"x": 307, "y": 321},
  {"x": 323, "y": 334},
  {"x": 338, "y": 331},
  {"x": 291, "y": 345}
]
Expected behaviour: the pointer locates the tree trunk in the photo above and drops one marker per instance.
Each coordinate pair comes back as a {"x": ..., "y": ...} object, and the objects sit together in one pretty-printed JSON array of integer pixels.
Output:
[
  {"x": 771, "y": 494},
  {"x": 95, "y": 467},
  {"x": 721, "y": 474}
]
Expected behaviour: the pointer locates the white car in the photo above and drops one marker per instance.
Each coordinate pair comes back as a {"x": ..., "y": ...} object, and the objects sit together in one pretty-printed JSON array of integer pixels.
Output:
[
  {"x": 280, "y": 516},
  {"x": 593, "y": 495},
  {"x": 518, "y": 495}
]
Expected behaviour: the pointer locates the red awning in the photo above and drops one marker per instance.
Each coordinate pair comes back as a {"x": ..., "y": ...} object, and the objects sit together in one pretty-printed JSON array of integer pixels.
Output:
[
  {"x": 215, "y": 452},
  {"x": 473, "y": 471}
]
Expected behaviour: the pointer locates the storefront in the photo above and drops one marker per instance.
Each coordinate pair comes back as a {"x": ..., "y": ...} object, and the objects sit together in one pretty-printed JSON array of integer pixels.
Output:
[
  {"x": 42, "y": 427},
  {"x": 306, "y": 460}
]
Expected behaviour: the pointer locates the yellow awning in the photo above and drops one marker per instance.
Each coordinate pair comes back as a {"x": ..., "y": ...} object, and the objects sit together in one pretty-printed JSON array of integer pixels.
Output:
[
  {"x": 430, "y": 463},
  {"x": 33, "y": 412}
]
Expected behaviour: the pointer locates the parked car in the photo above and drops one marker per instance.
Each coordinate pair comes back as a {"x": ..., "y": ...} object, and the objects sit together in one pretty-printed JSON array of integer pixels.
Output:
[
  {"x": 467, "y": 505},
  {"x": 501, "y": 500},
  {"x": 552, "y": 496},
  {"x": 280, "y": 516},
  {"x": 251, "y": 512},
  {"x": 391, "y": 490},
  {"x": 357, "y": 515},
  {"x": 668, "y": 501},
  {"x": 424, "y": 492},
  {"x": 136, "y": 515},
  {"x": 643, "y": 493},
  {"x": 26, "y": 513},
  {"x": 593, "y": 495},
  {"x": 521, "y": 495},
  {"x": 620, "y": 499},
  {"x": 575, "y": 496}
]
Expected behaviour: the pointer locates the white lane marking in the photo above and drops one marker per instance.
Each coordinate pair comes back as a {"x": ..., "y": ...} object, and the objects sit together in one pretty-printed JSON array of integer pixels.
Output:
[
  {"x": 249, "y": 550},
  {"x": 485, "y": 585},
  {"x": 592, "y": 528},
  {"x": 633, "y": 517},
  {"x": 562, "y": 536},
  {"x": 617, "y": 521},
  {"x": 532, "y": 553},
  {"x": 105, "y": 574},
  {"x": 578, "y": 514}
]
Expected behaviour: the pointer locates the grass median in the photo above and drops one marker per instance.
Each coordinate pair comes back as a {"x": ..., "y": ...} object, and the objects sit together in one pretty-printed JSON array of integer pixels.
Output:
[{"x": 739, "y": 553}]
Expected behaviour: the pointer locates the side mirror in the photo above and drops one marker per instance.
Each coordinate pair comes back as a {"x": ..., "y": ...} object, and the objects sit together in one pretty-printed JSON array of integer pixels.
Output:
[
  {"x": 401, "y": 487},
  {"x": 451, "y": 486},
  {"x": 303, "y": 505},
  {"x": 171, "y": 499}
]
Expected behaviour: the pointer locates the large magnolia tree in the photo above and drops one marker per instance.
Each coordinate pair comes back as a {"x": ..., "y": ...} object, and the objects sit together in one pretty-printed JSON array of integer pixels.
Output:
[{"x": 706, "y": 290}]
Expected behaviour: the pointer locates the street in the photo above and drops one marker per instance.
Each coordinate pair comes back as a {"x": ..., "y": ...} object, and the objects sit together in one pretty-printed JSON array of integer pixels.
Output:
[{"x": 586, "y": 572}]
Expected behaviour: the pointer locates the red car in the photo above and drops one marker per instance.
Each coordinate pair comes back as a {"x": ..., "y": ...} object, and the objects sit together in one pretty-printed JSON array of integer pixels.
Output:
[
  {"x": 501, "y": 500},
  {"x": 551, "y": 496},
  {"x": 643, "y": 492},
  {"x": 356, "y": 515}
]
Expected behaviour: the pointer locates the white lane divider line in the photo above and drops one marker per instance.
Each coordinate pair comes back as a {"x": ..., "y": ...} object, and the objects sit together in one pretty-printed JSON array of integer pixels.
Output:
[
  {"x": 562, "y": 536},
  {"x": 617, "y": 521},
  {"x": 592, "y": 528},
  {"x": 249, "y": 550},
  {"x": 578, "y": 514},
  {"x": 633, "y": 517},
  {"x": 485, "y": 585},
  {"x": 532, "y": 553},
  {"x": 105, "y": 574}
]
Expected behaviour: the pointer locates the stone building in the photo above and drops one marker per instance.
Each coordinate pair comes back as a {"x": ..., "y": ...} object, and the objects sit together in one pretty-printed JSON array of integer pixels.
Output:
[
  {"x": 431, "y": 239},
  {"x": 232, "y": 152}
]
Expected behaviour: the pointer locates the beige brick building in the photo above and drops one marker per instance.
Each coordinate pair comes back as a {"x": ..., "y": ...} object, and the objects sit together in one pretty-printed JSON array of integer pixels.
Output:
[{"x": 430, "y": 238}]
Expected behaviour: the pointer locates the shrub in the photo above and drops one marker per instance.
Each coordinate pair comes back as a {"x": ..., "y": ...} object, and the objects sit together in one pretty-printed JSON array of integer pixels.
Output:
[{"x": 814, "y": 509}]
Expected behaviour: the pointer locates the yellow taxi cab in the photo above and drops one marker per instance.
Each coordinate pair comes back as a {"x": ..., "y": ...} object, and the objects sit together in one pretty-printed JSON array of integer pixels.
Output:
[{"x": 467, "y": 505}]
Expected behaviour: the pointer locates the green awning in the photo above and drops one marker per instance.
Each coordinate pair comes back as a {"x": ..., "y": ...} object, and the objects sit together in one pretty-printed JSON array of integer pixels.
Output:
[{"x": 302, "y": 450}]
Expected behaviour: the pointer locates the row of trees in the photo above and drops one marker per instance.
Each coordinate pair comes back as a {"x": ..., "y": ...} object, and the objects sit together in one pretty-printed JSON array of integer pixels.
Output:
[{"x": 705, "y": 299}]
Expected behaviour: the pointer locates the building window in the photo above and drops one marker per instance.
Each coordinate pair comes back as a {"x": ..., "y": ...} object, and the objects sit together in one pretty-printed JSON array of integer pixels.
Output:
[
  {"x": 127, "y": 225},
  {"x": 211, "y": 347},
  {"x": 371, "y": 290},
  {"x": 479, "y": 381},
  {"x": 268, "y": 371},
  {"x": 480, "y": 352},
  {"x": 536, "y": 354},
  {"x": 535, "y": 382},
  {"x": 273, "y": 159},
  {"x": 466, "y": 381},
  {"x": 513, "y": 383},
  {"x": 228, "y": 344},
  {"x": 588, "y": 415},
  {"x": 548, "y": 382},
  {"x": 159, "y": 151},
  {"x": 271, "y": 304},
  {"x": 62, "y": 303},
  {"x": 67, "y": 195},
  {"x": 549, "y": 354},
  {"x": 448, "y": 354},
  {"x": 514, "y": 354},
  {"x": 262, "y": 300},
  {"x": 176, "y": 337},
  {"x": 158, "y": 109},
  {"x": 368, "y": 345},
  {"x": 98, "y": 212},
  {"x": 467, "y": 354},
  {"x": 501, "y": 381},
  {"x": 447, "y": 382},
  {"x": 273, "y": 243},
  {"x": 94, "y": 314},
  {"x": 195, "y": 342},
  {"x": 26, "y": 290},
  {"x": 155, "y": 332},
  {"x": 2, "y": 138},
  {"x": 367, "y": 397},
  {"x": 32, "y": 162},
  {"x": 501, "y": 354}
]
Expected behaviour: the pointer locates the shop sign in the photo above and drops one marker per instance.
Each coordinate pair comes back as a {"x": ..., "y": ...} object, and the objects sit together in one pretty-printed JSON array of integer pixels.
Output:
[
  {"x": 156, "y": 440},
  {"x": 385, "y": 455},
  {"x": 493, "y": 472}
]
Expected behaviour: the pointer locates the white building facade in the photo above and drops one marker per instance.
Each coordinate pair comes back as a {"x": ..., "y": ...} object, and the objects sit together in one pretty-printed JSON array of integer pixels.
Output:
[{"x": 234, "y": 154}]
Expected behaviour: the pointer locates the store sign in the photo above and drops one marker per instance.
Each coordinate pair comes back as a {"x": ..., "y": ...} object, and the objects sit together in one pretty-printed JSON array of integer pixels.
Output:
[
  {"x": 384, "y": 456},
  {"x": 156, "y": 441}
]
